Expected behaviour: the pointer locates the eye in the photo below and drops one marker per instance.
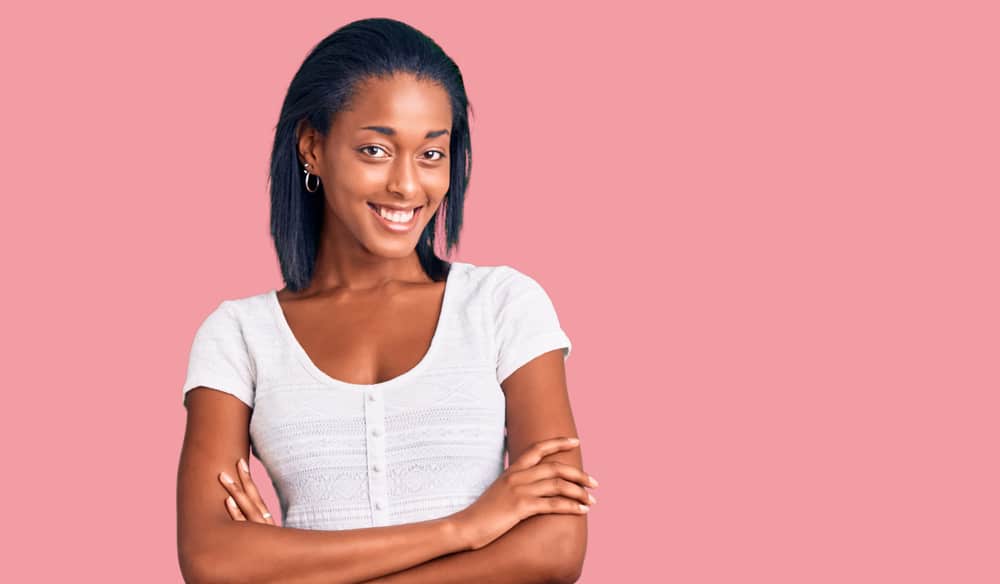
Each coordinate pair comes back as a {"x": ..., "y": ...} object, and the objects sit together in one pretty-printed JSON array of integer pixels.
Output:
[
  {"x": 365, "y": 149},
  {"x": 442, "y": 155}
]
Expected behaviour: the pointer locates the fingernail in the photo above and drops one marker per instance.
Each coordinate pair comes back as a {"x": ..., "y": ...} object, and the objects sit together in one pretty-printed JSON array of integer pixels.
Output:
[
  {"x": 593, "y": 480},
  {"x": 230, "y": 501},
  {"x": 584, "y": 508},
  {"x": 574, "y": 440},
  {"x": 243, "y": 465},
  {"x": 227, "y": 478},
  {"x": 592, "y": 499}
]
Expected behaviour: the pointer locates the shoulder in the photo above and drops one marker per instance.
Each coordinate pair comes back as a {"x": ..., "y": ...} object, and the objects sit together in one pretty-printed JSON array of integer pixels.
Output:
[
  {"x": 500, "y": 283},
  {"x": 242, "y": 310},
  {"x": 520, "y": 314},
  {"x": 237, "y": 321},
  {"x": 221, "y": 357}
]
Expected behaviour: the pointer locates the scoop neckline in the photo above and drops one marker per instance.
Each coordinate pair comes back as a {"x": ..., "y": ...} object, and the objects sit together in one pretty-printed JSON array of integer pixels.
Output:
[{"x": 444, "y": 319}]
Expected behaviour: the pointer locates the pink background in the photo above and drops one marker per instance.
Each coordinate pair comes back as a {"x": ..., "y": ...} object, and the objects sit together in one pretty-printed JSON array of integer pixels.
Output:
[{"x": 770, "y": 229}]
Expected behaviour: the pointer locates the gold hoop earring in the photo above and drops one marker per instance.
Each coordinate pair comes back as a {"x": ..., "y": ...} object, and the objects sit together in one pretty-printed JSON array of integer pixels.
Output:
[{"x": 315, "y": 188}]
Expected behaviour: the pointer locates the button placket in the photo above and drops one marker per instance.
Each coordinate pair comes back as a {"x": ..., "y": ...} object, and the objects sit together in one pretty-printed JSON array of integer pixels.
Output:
[{"x": 375, "y": 445}]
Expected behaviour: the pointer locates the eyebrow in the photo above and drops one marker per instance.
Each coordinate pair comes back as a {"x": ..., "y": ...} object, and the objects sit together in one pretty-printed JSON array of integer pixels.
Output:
[{"x": 391, "y": 132}]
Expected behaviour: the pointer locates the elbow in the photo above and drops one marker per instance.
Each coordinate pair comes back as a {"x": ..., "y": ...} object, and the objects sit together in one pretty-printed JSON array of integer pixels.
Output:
[
  {"x": 193, "y": 568},
  {"x": 566, "y": 570},
  {"x": 200, "y": 568},
  {"x": 193, "y": 555},
  {"x": 210, "y": 553},
  {"x": 205, "y": 569},
  {"x": 205, "y": 565},
  {"x": 190, "y": 558},
  {"x": 564, "y": 564}
]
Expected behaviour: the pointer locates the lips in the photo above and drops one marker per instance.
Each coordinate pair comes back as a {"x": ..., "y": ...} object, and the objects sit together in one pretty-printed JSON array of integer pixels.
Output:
[
  {"x": 394, "y": 226},
  {"x": 375, "y": 207}
]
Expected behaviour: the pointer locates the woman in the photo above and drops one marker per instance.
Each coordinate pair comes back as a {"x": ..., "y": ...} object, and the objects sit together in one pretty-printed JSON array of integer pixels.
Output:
[{"x": 377, "y": 385}]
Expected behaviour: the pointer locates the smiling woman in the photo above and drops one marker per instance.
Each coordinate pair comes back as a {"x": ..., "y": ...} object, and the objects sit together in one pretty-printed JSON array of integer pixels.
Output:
[
  {"x": 388, "y": 177},
  {"x": 376, "y": 387}
]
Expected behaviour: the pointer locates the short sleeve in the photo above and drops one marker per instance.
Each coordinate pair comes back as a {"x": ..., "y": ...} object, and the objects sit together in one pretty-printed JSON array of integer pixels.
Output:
[
  {"x": 526, "y": 323},
  {"x": 219, "y": 357}
]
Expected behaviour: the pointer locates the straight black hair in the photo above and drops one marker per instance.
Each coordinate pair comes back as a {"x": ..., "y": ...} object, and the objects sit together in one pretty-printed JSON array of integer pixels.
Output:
[{"x": 324, "y": 85}]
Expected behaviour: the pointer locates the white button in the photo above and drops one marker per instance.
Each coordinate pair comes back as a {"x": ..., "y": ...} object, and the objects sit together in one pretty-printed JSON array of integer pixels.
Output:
[
  {"x": 376, "y": 432},
  {"x": 378, "y": 504},
  {"x": 376, "y": 468},
  {"x": 371, "y": 397}
]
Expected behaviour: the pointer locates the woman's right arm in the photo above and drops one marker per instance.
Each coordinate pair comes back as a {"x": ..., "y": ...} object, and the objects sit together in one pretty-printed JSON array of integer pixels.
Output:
[{"x": 212, "y": 547}]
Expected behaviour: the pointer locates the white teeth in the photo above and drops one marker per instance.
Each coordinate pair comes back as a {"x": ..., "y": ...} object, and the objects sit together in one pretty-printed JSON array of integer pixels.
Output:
[{"x": 396, "y": 216}]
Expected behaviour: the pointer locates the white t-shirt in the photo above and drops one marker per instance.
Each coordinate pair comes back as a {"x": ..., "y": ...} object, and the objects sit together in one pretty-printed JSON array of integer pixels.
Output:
[{"x": 419, "y": 446}]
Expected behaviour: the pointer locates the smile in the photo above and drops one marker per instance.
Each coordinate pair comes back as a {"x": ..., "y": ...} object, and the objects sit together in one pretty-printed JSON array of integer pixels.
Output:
[{"x": 396, "y": 221}]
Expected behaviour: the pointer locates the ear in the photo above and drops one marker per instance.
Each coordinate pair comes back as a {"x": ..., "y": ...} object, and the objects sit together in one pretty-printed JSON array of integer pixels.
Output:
[{"x": 309, "y": 144}]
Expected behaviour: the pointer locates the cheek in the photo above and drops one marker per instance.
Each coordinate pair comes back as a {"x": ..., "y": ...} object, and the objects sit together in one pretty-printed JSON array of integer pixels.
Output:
[
  {"x": 438, "y": 182},
  {"x": 364, "y": 177},
  {"x": 353, "y": 182}
]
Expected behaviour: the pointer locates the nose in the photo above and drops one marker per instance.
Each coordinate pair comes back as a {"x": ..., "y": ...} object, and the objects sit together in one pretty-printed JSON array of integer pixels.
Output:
[{"x": 403, "y": 179}]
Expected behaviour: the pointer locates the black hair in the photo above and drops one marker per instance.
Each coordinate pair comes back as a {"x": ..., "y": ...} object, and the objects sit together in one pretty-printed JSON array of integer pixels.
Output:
[{"x": 324, "y": 85}]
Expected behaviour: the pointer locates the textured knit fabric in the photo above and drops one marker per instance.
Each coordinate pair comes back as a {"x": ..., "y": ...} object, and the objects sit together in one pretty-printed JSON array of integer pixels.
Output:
[{"x": 419, "y": 446}]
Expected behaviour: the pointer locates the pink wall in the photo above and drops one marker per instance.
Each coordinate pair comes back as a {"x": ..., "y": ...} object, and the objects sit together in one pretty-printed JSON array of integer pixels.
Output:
[{"x": 769, "y": 229}]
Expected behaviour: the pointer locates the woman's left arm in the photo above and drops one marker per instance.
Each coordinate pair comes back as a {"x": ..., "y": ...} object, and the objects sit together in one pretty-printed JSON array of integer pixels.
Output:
[{"x": 547, "y": 548}]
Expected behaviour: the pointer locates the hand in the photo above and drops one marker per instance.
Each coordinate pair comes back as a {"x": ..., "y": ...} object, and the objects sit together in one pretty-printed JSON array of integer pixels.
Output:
[
  {"x": 244, "y": 501},
  {"x": 527, "y": 487}
]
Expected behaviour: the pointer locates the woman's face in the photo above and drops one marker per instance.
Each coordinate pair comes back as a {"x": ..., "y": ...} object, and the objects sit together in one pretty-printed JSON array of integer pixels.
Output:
[{"x": 391, "y": 150}]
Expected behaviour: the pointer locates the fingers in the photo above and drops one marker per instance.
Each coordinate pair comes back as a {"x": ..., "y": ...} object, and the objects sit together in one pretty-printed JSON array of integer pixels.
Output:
[
  {"x": 547, "y": 470},
  {"x": 234, "y": 509},
  {"x": 540, "y": 450},
  {"x": 557, "y": 504},
  {"x": 249, "y": 508},
  {"x": 552, "y": 487},
  {"x": 559, "y": 487},
  {"x": 252, "y": 492}
]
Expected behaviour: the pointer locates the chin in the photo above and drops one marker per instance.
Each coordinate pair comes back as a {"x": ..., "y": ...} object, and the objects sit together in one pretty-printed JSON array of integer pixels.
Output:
[{"x": 399, "y": 250}]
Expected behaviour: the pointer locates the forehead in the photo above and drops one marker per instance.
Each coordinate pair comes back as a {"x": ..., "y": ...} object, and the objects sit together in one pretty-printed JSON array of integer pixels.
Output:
[{"x": 409, "y": 105}]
